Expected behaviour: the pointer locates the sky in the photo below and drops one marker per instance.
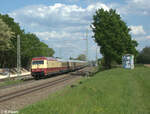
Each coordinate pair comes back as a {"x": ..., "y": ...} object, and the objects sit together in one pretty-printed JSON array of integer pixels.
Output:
[{"x": 64, "y": 24}]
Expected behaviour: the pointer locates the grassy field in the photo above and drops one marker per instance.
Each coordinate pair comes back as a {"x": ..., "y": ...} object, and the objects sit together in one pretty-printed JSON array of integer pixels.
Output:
[{"x": 116, "y": 91}]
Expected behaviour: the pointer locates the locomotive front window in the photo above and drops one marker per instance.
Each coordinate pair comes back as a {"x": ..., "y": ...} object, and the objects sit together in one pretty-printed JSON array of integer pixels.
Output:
[{"x": 37, "y": 62}]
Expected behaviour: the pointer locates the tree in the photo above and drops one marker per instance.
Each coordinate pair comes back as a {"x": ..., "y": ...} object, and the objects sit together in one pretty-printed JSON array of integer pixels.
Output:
[
  {"x": 71, "y": 58},
  {"x": 144, "y": 56},
  {"x": 5, "y": 41},
  {"x": 112, "y": 35},
  {"x": 5, "y": 36},
  {"x": 81, "y": 57},
  {"x": 33, "y": 47},
  {"x": 15, "y": 28}
]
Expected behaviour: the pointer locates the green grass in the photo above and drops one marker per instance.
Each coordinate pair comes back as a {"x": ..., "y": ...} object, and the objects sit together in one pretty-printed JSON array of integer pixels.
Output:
[
  {"x": 10, "y": 82},
  {"x": 116, "y": 91}
]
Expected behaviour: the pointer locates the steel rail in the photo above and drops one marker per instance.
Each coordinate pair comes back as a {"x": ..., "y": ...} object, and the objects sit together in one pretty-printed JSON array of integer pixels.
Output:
[{"x": 22, "y": 92}]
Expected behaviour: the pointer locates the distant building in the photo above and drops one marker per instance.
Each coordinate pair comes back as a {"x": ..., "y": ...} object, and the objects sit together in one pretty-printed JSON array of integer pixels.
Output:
[{"x": 128, "y": 61}]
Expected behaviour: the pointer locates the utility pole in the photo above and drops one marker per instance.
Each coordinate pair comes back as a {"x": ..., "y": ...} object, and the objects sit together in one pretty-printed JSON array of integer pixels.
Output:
[
  {"x": 60, "y": 52},
  {"x": 96, "y": 57},
  {"x": 87, "y": 45},
  {"x": 18, "y": 56},
  {"x": 47, "y": 52}
]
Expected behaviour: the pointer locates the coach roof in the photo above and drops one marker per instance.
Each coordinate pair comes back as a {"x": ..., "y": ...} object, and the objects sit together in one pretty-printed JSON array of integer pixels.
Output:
[{"x": 44, "y": 58}]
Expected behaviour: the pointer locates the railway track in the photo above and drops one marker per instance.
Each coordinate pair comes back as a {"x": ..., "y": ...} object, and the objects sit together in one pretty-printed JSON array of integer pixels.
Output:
[
  {"x": 25, "y": 80},
  {"x": 22, "y": 92}
]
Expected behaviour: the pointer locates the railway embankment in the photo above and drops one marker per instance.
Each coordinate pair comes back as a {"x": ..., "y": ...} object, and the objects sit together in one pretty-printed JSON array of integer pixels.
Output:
[{"x": 115, "y": 91}]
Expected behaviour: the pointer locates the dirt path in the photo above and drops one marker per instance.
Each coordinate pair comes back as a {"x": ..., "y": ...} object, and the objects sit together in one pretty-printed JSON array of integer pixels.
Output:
[{"x": 147, "y": 65}]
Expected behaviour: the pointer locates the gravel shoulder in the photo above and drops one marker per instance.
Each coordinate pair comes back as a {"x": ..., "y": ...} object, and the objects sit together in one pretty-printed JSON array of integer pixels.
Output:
[{"x": 147, "y": 65}]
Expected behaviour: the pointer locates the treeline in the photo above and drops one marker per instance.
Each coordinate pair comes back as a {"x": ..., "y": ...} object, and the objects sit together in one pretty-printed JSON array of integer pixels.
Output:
[
  {"x": 144, "y": 56},
  {"x": 81, "y": 57},
  {"x": 31, "y": 46}
]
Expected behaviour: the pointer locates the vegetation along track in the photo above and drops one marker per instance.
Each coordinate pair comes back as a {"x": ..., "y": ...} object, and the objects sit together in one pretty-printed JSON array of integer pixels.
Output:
[
  {"x": 15, "y": 94},
  {"x": 24, "y": 81}
]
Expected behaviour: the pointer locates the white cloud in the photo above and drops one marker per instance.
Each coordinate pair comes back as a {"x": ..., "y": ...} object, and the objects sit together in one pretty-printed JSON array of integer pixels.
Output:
[
  {"x": 59, "y": 35},
  {"x": 139, "y": 7},
  {"x": 96, "y": 6},
  {"x": 143, "y": 41},
  {"x": 137, "y": 30},
  {"x": 148, "y": 37},
  {"x": 56, "y": 16},
  {"x": 143, "y": 4},
  {"x": 52, "y": 34}
]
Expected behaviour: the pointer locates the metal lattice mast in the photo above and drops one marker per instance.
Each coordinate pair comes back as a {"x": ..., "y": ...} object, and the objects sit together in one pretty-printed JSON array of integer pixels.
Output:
[{"x": 18, "y": 56}]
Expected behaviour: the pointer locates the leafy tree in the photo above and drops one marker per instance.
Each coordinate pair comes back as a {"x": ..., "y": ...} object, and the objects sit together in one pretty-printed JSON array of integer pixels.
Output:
[
  {"x": 33, "y": 47},
  {"x": 81, "y": 57},
  {"x": 71, "y": 58},
  {"x": 15, "y": 28},
  {"x": 5, "y": 41},
  {"x": 112, "y": 35},
  {"x": 144, "y": 56},
  {"x": 5, "y": 36}
]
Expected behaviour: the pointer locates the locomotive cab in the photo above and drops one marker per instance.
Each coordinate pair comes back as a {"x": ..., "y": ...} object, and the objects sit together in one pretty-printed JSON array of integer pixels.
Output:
[
  {"x": 37, "y": 64},
  {"x": 37, "y": 68}
]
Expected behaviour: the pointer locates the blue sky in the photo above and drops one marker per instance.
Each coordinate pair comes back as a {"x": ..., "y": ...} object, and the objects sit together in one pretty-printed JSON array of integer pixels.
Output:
[{"x": 62, "y": 24}]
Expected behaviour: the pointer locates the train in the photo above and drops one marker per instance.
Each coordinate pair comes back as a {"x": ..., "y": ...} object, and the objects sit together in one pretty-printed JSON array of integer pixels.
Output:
[{"x": 45, "y": 66}]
